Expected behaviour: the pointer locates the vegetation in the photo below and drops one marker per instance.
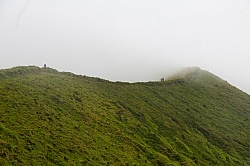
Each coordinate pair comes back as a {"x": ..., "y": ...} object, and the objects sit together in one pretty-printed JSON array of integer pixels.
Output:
[{"x": 57, "y": 118}]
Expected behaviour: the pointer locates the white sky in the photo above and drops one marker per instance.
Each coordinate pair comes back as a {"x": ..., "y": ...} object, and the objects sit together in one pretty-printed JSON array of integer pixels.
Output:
[{"x": 128, "y": 40}]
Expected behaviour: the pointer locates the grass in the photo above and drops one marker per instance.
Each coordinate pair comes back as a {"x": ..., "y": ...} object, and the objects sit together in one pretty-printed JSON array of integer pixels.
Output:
[{"x": 59, "y": 118}]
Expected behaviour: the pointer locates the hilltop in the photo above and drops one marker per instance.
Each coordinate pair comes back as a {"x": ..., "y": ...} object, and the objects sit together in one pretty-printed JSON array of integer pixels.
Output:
[{"x": 59, "y": 118}]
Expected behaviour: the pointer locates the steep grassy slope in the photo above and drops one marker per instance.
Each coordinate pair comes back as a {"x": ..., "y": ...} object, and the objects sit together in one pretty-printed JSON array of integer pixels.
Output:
[{"x": 57, "y": 118}]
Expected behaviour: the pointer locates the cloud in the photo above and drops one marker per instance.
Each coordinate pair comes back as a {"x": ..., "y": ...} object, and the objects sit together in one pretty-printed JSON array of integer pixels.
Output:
[{"x": 128, "y": 40}]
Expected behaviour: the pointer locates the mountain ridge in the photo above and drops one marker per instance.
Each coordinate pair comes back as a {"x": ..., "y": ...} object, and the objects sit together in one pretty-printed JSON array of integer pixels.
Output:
[{"x": 59, "y": 118}]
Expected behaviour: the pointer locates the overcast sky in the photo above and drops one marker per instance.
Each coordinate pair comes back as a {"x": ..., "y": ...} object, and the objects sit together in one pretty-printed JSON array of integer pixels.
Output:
[{"x": 128, "y": 40}]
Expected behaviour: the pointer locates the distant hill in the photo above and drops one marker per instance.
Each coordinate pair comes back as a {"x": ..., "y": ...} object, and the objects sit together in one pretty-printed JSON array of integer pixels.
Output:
[{"x": 59, "y": 118}]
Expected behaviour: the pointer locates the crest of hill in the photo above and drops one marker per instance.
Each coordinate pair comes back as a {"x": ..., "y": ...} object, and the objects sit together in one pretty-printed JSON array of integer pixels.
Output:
[
  {"x": 20, "y": 71},
  {"x": 186, "y": 72},
  {"x": 194, "y": 74}
]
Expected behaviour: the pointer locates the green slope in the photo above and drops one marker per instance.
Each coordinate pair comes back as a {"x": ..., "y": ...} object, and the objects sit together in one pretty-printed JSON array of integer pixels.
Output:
[{"x": 57, "y": 118}]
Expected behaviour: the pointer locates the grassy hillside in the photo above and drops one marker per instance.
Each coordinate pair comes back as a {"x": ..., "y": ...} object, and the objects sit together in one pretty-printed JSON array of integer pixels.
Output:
[{"x": 57, "y": 118}]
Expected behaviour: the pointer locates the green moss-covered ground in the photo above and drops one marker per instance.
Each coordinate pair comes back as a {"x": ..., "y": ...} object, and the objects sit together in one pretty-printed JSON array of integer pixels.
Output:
[{"x": 57, "y": 118}]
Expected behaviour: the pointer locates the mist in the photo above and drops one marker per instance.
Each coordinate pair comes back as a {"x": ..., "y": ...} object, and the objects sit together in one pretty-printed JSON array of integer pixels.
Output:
[{"x": 128, "y": 40}]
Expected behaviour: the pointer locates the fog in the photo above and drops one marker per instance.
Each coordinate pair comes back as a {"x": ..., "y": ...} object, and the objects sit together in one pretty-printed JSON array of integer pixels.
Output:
[{"x": 132, "y": 40}]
